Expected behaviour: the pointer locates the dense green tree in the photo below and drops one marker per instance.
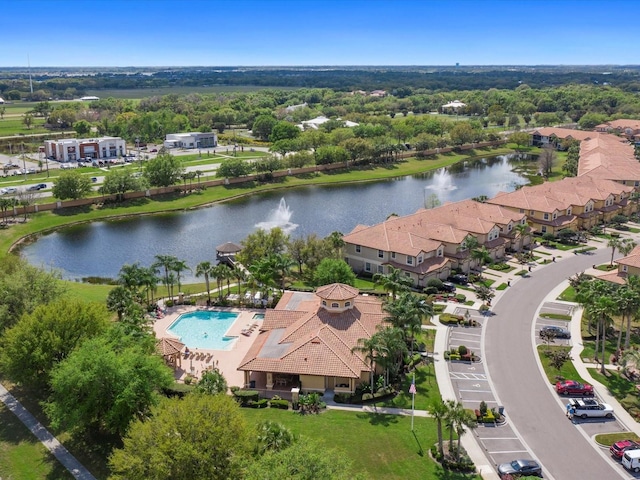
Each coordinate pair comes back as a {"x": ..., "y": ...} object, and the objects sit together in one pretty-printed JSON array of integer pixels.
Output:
[
  {"x": 71, "y": 185},
  {"x": 262, "y": 243},
  {"x": 331, "y": 270},
  {"x": 42, "y": 339},
  {"x": 461, "y": 133},
  {"x": 272, "y": 437},
  {"x": 284, "y": 131},
  {"x": 119, "y": 181},
  {"x": 82, "y": 128},
  {"x": 27, "y": 120},
  {"x": 521, "y": 139},
  {"x": 331, "y": 154},
  {"x": 589, "y": 121},
  {"x": 263, "y": 125},
  {"x": 105, "y": 384},
  {"x": 164, "y": 170},
  {"x": 24, "y": 288},
  {"x": 120, "y": 300},
  {"x": 198, "y": 437},
  {"x": 211, "y": 382},
  {"x": 233, "y": 168}
]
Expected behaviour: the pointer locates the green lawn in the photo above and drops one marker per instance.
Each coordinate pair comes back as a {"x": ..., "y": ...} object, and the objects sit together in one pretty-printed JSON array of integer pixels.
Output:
[
  {"x": 621, "y": 388},
  {"x": 567, "y": 371},
  {"x": 22, "y": 456},
  {"x": 381, "y": 446},
  {"x": 568, "y": 295},
  {"x": 13, "y": 126},
  {"x": 610, "y": 438}
]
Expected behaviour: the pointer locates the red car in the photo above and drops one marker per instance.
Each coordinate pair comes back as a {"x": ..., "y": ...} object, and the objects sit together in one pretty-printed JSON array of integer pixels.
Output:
[
  {"x": 571, "y": 387},
  {"x": 618, "y": 448}
]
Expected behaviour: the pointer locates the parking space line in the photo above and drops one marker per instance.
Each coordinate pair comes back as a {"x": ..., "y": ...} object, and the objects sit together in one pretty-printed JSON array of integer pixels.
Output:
[
  {"x": 509, "y": 451},
  {"x": 500, "y": 438},
  {"x": 476, "y": 391},
  {"x": 468, "y": 334}
]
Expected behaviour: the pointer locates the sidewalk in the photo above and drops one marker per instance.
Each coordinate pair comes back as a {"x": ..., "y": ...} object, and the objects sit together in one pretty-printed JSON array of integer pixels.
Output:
[{"x": 49, "y": 441}]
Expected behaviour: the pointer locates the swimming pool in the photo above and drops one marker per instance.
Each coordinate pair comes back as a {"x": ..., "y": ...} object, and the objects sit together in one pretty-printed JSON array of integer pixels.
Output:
[{"x": 204, "y": 329}]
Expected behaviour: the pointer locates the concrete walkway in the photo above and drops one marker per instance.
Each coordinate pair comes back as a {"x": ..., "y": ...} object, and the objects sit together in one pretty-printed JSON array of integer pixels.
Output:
[{"x": 49, "y": 441}]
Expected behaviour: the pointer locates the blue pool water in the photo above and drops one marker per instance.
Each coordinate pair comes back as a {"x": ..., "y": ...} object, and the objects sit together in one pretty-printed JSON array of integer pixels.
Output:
[{"x": 204, "y": 329}]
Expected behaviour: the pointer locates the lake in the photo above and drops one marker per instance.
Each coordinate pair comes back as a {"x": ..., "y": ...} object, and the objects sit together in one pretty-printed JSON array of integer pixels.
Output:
[{"x": 101, "y": 248}]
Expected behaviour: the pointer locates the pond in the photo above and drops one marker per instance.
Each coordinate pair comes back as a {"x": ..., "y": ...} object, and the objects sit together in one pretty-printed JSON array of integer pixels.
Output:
[{"x": 100, "y": 248}]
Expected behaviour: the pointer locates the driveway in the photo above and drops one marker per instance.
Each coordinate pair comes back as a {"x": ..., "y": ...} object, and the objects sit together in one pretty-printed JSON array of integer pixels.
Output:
[{"x": 533, "y": 408}]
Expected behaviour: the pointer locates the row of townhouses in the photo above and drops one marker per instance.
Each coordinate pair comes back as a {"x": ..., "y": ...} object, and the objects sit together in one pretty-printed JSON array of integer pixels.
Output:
[{"x": 432, "y": 243}]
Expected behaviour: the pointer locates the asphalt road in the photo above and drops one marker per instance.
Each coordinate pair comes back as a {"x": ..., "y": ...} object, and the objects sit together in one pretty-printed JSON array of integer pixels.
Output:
[{"x": 531, "y": 406}]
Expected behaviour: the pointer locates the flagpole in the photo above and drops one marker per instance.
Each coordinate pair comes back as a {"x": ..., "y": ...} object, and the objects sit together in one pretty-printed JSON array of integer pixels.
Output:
[{"x": 413, "y": 399}]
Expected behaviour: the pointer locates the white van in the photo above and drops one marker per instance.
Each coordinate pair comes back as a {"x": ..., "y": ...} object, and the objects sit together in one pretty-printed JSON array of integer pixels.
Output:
[{"x": 631, "y": 460}]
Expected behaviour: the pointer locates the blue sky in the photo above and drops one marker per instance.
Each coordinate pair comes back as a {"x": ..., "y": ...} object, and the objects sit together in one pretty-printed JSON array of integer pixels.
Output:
[{"x": 318, "y": 32}]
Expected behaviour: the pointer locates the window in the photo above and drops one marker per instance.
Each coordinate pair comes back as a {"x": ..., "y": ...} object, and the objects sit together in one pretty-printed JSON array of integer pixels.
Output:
[
  {"x": 569, "y": 211},
  {"x": 358, "y": 248},
  {"x": 546, "y": 216},
  {"x": 555, "y": 215},
  {"x": 624, "y": 268},
  {"x": 335, "y": 305},
  {"x": 509, "y": 227},
  {"x": 522, "y": 210},
  {"x": 440, "y": 252},
  {"x": 380, "y": 269},
  {"x": 393, "y": 254},
  {"x": 347, "y": 304},
  {"x": 544, "y": 229},
  {"x": 532, "y": 213},
  {"x": 380, "y": 254},
  {"x": 367, "y": 267},
  {"x": 523, "y": 221},
  {"x": 420, "y": 259},
  {"x": 636, "y": 183},
  {"x": 409, "y": 260},
  {"x": 407, "y": 274},
  {"x": 324, "y": 303}
]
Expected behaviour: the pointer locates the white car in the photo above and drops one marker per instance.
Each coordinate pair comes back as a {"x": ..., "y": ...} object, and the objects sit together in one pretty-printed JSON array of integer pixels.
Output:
[
  {"x": 589, "y": 407},
  {"x": 8, "y": 190}
]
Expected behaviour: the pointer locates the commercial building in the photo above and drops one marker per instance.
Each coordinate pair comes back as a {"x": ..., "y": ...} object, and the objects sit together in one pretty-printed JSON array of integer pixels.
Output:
[
  {"x": 191, "y": 140},
  {"x": 74, "y": 149}
]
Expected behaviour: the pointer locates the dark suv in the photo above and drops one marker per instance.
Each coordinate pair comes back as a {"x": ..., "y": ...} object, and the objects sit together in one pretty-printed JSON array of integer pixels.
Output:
[{"x": 459, "y": 278}]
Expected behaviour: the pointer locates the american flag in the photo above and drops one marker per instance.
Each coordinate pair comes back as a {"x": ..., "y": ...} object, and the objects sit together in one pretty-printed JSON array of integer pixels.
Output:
[{"x": 412, "y": 388}]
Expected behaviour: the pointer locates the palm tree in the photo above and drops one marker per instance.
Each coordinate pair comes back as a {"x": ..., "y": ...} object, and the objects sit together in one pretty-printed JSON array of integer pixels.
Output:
[
  {"x": 392, "y": 350},
  {"x": 150, "y": 283},
  {"x": 119, "y": 300},
  {"x": 132, "y": 277},
  {"x": 198, "y": 173},
  {"x": 219, "y": 273},
  {"x": 438, "y": 410},
  {"x": 273, "y": 436},
  {"x": 205, "y": 269},
  {"x": 165, "y": 262},
  {"x": 180, "y": 266},
  {"x": 393, "y": 281},
  {"x": 627, "y": 302},
  {"x": 600, "y": 309},
  {"x": 614, "y": 243},
  {"x": 521, "y": 230},
  {"x": 337, "y": 243},
  {"x": 408, "y": 312},
  {"x": 462, "y": 420},
  {"x": 369, "y": 347},
  {"x": 633, "y": 282},
  {"x": 240, "y": 274}
]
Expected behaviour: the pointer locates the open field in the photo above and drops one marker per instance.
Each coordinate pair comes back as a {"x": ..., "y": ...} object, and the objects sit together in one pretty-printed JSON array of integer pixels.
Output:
[{"x": 14, "y": 126}]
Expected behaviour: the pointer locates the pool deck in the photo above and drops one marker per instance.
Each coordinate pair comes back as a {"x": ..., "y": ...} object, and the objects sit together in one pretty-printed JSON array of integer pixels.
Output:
[{"x": 227, "y": 361}]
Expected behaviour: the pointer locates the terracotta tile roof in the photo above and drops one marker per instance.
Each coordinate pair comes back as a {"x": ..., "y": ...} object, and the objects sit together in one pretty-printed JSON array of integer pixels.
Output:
[
  {"x": 390, "y": 236},
  {"x": 614, "y": 277},
  {"x": 620, "y": 124},
  {"x": 556, "y": 196},
  {"x": 337, "y": 291},
  {"x": 315, "y": 342},
  {"x": 564, "y": 133},
  {"x": 631, "y": 260},
  {"x": 169, "y": 346}
]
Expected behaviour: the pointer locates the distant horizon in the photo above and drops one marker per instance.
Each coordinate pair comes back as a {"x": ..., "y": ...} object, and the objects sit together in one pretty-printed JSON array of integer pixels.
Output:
[
  {"x": 453, "y": 66},
  {"x": 299, "y": 33}
]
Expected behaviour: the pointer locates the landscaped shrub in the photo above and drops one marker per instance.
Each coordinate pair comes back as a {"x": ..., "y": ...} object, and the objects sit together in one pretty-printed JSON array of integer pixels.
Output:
[
  {"x": 454, "y": 356},
  {"x": 450, "y": 318},
  {"x": 262, "y": 403},
  {"x": 430, "y": 290},
  {"x": 435, "y": 282},
  {"x": 462, "y": 350},
  {"x": 281, "y": 404},
  {"x": 169, "y": 303},
  {"x": 246, "y": 396},
  {"x": 438, "y": 308},
  {"x": 460, "y": 298},
  {"x": 500, "y": 266}
]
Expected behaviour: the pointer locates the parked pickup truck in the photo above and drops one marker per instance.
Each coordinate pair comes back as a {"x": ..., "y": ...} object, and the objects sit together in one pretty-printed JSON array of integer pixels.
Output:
[{"x": 589, "y": 407}]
